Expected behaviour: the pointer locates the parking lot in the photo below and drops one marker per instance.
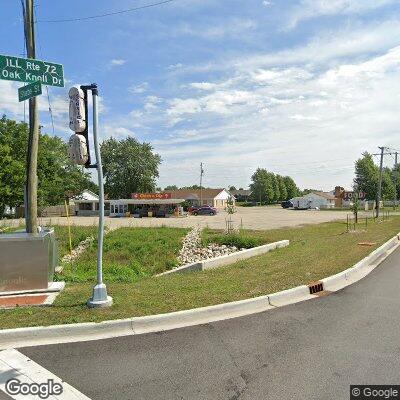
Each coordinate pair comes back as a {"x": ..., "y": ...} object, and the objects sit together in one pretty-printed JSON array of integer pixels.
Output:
[{"x": 258, "y": 218}]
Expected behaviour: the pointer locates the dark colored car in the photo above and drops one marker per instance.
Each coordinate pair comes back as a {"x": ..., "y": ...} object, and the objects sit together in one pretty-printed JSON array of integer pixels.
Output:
[
  {"x": 287, "y": 204},
  {"x": 205, "y": 210}
]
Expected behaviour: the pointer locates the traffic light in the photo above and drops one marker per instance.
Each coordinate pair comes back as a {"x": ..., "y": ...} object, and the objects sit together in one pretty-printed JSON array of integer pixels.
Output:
[
  {"x": 77, "y": 117},
  {"x": 79, "y": 150}
]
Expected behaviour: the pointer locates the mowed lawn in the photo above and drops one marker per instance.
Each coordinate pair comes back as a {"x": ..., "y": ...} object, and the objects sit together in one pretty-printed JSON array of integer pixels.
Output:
[
  {"x": 129, "y": 254},
  {"x": 78, "y": 234},
  {"x": 315, "y": 251}
]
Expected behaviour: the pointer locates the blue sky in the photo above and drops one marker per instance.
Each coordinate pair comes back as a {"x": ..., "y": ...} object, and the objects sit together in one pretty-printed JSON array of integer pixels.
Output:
[{"x": 301, "y": 88}]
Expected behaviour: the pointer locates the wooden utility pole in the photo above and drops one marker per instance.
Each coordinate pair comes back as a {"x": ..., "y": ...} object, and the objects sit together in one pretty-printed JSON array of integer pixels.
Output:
[
  {"x": 395, "y": 179},
  {"x": 201, "y": 184},
  {"x": 378, "y": 196},
  {"x": 33, "y": 143}
]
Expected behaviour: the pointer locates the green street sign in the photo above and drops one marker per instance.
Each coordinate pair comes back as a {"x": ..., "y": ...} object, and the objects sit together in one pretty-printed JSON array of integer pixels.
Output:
[
  {"x": 29, "y": 91},
  {"x": 30, "y": 70}
]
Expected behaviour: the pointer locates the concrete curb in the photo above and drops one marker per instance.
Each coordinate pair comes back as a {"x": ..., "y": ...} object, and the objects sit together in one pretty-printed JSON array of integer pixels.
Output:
[
  {"x": 362, "y": 268},
  {"x": 227, "y": 259},
  {"x": 35, "y": 336}
]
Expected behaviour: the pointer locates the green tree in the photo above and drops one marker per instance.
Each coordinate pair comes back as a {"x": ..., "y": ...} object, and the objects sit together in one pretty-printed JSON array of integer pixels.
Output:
[
  {"x": 388, "y": 186},
  {"x": 232, "y": 188},
  {"x": 355, "y": 208},
  {"x": 262, "y": 186},
  {"x": 275, "y": 186},
  {"x": 170, "y": 188},
  {"x": 56, "y": 175},
  {"x": 366, "y": 176},
  {"x": 129, "y": 166},
  {"x": 193, "y": 187},
  {"x": 291, "y": 188},
  {"x": 13, "y": 141},
  {"x": 282, "y": 188}
]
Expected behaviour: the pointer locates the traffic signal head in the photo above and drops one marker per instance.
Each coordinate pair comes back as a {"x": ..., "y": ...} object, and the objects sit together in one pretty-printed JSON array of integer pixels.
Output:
[
  {"x": 77, "y": 110},
  {"x": 78, "y": 150}
]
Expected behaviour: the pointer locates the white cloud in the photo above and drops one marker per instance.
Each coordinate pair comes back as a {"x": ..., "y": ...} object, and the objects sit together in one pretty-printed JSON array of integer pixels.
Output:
[
  {"x": 308, "y": 9},
  {"x": 329, "y": 47},
  {"x": 333, "y": 45},
  {"x": 307, "y": 121},
  {"x": 141, "y": 88},
  {"x": 230, "y": 28},
  {"x": 203, "y": 85},
  {"x": 117, "y": 62},
  {"x": 9, "y": 104}
]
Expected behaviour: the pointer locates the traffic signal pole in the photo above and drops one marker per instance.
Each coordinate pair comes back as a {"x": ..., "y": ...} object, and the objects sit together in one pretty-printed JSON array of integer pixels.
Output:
[
  {"x": 33, "y": 142},
  {"x": 99, "y": 297}
]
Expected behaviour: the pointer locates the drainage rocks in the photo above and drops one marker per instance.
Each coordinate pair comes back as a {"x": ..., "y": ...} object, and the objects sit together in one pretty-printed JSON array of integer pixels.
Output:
[{"x": 192, "y": 250}]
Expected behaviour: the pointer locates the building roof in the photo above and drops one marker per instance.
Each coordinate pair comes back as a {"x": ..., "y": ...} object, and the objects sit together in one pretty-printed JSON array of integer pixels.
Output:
[
  {"x": 325, "y": 195},
  {"x": 242, "y": 192},
  {"x": 194, "y": 194},
  {"x": 86, "y": 195}
]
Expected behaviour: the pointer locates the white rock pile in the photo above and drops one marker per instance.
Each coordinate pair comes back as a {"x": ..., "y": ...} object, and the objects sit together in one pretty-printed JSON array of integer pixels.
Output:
[
  {"x": 192, "y": 250},
  {"x": 82, "y": 246}
]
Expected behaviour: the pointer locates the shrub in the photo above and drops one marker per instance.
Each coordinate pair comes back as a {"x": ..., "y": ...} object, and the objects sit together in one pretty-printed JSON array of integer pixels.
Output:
[{"x": 241, "y": 241}]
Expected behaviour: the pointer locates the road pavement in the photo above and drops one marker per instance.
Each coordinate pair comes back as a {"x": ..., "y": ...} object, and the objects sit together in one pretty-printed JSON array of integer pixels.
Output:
[{"x": 310, "y": 350}]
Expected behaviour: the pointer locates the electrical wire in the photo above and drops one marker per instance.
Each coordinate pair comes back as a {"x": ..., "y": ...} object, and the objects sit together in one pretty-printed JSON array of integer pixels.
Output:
[
  {"x": 24, "y": 50},
  {"x": 47, "y": 88},
  {"x": 106, "y": 14}
]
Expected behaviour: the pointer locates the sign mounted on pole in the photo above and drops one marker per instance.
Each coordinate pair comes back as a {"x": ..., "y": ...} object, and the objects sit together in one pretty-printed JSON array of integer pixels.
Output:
[
  {"x": 29, "y": 91},
  {"x": 31, "y": 70}
]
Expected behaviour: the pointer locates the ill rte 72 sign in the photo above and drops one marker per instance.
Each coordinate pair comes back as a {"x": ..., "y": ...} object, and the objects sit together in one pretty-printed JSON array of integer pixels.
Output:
[{"x": 31, "y": 70}]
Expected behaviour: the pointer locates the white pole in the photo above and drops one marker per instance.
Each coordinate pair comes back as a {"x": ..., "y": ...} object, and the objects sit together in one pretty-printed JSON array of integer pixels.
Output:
[{"x": 99, "y": 298}]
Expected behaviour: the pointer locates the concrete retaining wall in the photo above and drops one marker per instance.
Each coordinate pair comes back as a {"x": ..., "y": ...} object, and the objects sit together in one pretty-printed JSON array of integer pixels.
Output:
[{"x": 228, "y": 258}]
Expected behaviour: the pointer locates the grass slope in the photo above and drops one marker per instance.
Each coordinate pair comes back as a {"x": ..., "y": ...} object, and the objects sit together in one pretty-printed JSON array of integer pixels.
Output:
[
  {"x": 129, "y": 254},
  {"x": 316, "y": 251}
]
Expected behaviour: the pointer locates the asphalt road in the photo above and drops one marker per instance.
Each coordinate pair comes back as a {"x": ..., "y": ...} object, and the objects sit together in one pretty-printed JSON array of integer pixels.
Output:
[{"x": 310, "y": 350}]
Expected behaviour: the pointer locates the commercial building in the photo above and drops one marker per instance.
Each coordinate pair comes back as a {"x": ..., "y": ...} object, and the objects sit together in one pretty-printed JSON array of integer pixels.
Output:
[
  {"x": 146, "y": 205},
  {"x": 151, "y": 204},
  {"x": 217, "y": 198},
  {"x": 314, "y": 200},
  {"x": 241, "y": 195},
  {"x": 87, "y": 204}
]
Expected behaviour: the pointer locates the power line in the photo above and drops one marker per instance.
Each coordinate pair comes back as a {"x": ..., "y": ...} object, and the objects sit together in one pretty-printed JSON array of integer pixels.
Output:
[
  {"x": 107, "y": 14},
  {"x": 47, "y": 88}
]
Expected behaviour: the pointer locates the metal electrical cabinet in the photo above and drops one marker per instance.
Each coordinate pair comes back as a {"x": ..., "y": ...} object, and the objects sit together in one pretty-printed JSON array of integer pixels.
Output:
[{"x": 27, "y": 261}]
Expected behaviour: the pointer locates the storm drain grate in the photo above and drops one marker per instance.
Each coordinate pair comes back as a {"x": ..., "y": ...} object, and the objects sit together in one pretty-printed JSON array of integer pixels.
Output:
[{"x": 316, "y": 287}]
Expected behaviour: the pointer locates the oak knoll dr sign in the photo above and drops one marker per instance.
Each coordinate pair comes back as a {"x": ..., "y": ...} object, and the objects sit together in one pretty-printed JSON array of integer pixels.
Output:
[{"x": 30, "y": 70}]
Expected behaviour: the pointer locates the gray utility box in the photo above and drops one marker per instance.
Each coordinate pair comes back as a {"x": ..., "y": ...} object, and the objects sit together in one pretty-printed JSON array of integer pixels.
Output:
[{"x": 27, "y": 260}]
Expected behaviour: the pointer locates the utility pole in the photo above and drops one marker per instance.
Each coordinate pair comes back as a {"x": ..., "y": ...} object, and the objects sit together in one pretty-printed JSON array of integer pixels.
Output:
[
  {"x": 378, "y": 197},
  {"x": 395, "y": 179},
  {"x": 33, "y": 142},
  {"x": 201, "y": 184}
]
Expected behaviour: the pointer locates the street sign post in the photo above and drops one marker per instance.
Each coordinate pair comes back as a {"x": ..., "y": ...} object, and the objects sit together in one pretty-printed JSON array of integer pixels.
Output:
[
  {"x": 31, "y": 70},
  {"x": 29, "y": 91}
]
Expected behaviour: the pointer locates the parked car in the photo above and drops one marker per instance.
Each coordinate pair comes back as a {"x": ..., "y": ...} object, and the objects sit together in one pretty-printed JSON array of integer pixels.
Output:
[
  {"x": 287, "y": 204},
  {"x": 204, "y": 210}
]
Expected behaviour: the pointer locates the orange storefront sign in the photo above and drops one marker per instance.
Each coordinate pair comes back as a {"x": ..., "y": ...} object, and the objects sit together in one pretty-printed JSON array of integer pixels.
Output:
[{"x": 150, "y": 196}]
